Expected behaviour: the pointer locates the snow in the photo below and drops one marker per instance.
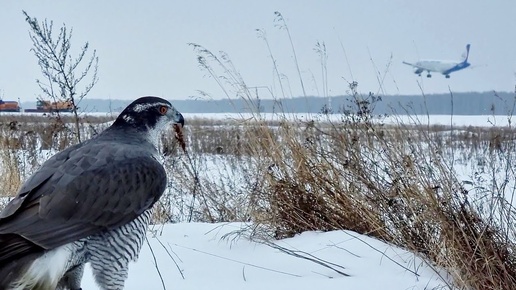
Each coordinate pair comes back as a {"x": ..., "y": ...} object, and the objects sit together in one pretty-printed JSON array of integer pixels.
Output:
[
  {"x": 209, "y": 256},
  {"x": 217, "y": 256},
  {"x": 457, "y": 120}
]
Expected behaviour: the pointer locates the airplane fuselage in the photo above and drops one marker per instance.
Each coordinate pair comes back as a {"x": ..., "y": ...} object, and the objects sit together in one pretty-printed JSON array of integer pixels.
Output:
[
  {"x": 440, "y": 66},
  {"x": 444, "y": 67}
]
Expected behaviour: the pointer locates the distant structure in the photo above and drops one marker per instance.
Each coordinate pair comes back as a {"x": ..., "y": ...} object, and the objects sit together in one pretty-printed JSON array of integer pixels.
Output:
[
  {"x": 48, "y": 107},
  {"x": 9, "y": 106},
  {"x": 441, "y": 66}
]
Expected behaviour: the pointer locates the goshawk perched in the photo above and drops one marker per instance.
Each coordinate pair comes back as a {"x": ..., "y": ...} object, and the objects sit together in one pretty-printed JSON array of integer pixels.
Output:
[{"x": 89, "y": 203}]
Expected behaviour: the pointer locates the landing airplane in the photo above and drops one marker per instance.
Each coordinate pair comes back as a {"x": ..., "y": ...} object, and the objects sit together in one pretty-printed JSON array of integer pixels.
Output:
[{"x": 440, "y": 66}]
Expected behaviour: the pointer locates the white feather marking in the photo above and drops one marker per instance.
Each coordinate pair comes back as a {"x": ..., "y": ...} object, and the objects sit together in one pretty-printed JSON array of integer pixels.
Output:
[
  {"x": 142, "y": 107},
  {"x": 46, "y": 271},
  {"x": 128, "y": 118}
]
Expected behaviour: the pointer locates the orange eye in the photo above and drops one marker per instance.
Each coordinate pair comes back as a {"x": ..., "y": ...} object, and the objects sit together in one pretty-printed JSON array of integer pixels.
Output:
[{"x": 163, "y": 110}]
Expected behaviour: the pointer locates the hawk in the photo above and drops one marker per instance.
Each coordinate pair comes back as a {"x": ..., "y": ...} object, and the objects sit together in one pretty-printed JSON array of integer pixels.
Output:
[{"x": 89, "y": 203}]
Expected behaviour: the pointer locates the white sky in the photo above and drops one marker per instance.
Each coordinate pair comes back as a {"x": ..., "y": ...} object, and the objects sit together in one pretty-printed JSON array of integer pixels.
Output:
[{"x": 142, "y": 45}]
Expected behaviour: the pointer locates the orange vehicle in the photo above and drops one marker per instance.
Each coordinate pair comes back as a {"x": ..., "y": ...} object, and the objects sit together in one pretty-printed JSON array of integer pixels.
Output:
[
  {"x": 9, "y": 106},
  {"x": 47, "y": 106}
]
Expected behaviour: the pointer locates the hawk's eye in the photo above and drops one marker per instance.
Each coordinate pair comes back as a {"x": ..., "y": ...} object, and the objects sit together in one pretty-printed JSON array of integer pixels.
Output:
[{"x": 163, "y": 110}]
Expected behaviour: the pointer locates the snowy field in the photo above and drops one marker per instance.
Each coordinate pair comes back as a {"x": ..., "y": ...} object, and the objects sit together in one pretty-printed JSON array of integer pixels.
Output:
[
  {"x": 213, "y": 256},
  {"x": 456, "y": 120},
  {"x": 200, "y": 256},
  {"x": 208, "y": 260}
]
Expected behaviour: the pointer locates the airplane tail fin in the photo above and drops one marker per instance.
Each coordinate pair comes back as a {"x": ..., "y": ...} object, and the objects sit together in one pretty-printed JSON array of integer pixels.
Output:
[{"x": 465, "y": 55}]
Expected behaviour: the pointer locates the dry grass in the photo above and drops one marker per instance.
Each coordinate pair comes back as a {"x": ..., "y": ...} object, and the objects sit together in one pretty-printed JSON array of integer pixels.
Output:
[
  {"x": 393, "y": 182},
  {"x": 396, "y": 183}
]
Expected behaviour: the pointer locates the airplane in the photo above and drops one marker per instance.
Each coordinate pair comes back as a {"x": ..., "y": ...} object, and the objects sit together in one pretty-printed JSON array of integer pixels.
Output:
[{"x": 440, "y": 66}]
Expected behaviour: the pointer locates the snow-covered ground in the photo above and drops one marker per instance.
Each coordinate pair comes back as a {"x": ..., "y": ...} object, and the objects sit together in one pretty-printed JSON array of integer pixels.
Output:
[
  {"x": 457, "y": 120},
  {"x": 208, "y": 259}
]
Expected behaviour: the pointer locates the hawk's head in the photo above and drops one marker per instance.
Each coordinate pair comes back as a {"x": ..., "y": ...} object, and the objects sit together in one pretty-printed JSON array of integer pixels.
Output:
[
  {"x": 149, "y": 115},
  {"x": 149, "y": 112}
]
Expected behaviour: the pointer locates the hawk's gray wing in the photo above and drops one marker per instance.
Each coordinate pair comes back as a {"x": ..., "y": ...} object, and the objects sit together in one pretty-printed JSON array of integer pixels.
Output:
[{"x": 80, "y": 192}]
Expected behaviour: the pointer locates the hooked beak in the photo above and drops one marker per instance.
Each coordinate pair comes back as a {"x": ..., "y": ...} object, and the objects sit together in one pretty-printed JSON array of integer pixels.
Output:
[
  {"x": 181, "y": 120},
  {"x": 178, "y": 128},
  {"x": 176, "y": 117}
]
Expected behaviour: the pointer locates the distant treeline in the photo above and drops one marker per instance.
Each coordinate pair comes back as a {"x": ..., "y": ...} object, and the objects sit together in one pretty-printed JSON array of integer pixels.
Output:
[{"x": 472, "y": 103}]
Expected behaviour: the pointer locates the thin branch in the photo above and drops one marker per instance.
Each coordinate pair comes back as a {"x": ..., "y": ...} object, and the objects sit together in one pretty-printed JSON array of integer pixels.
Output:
[{"x": 156, "y": 264}]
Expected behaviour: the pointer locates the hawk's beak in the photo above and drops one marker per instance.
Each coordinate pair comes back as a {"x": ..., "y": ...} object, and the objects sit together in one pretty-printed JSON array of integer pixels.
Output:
[
  {"x": 178, "y": 128},
  {"x": 181, "y": 120},
  {"x": 176, "y": 117}
]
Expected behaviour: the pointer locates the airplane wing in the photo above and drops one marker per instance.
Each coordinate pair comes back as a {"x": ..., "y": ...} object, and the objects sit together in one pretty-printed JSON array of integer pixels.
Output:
[
  {"x": 414, "y": 65},
  {"x": 418, "y": 69}
]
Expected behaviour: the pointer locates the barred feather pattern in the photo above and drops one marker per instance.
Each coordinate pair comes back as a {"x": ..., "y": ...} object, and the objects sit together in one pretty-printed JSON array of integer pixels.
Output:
[{"x": 109, "y": 253}]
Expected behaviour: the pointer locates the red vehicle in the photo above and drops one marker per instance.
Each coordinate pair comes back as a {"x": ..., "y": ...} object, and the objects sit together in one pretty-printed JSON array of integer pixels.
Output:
[{"x": 9, "y": 106}]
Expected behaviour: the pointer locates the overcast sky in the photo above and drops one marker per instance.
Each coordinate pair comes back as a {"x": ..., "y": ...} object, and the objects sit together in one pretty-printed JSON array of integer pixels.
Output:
[{"x": 143, "y": 45}]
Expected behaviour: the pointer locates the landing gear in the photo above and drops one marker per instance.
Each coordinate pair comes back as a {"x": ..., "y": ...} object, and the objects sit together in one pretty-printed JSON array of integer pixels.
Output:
[
  {"x": 447, "y": 76},
  {"x": 428, "y": 75}
]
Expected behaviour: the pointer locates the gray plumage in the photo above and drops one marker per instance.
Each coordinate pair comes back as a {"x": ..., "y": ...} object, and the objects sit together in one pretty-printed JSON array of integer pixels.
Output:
[{"x": 89, "y": 203}]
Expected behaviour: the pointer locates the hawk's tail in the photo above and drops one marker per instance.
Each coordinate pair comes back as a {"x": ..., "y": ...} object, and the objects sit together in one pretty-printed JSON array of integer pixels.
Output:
[
  {"x": 36, "y": 271},
  {"x": 11, "y": 271}
]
